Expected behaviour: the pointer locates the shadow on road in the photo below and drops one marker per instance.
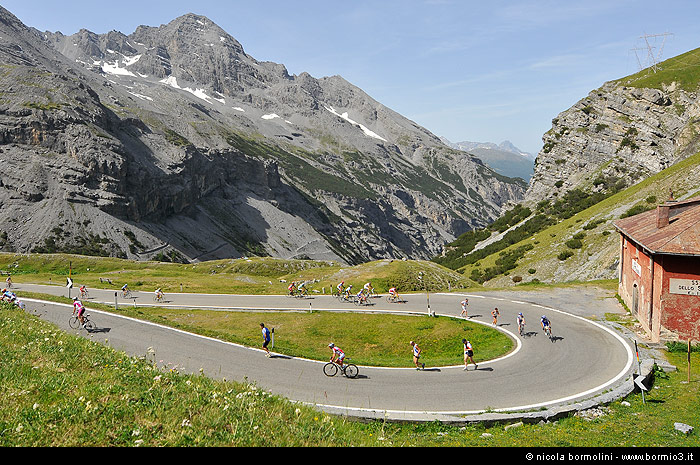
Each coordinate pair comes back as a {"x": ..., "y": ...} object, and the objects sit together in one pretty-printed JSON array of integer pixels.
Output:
[{"x": 99, "y": 330}]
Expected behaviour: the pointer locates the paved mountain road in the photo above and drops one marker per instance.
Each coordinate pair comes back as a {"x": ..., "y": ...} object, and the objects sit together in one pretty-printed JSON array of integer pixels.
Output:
[{"x": 586, "y": 358}]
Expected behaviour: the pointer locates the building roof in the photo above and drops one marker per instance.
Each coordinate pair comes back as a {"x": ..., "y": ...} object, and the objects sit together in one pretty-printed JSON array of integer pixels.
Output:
[{"x": 673, "y": 228}]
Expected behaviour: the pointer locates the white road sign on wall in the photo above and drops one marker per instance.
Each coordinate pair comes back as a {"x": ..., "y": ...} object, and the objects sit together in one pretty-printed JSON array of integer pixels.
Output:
[{"x": 684, "y": 286}]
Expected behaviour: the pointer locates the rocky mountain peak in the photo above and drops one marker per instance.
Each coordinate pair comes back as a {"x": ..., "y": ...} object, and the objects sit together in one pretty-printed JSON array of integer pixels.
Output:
[{"x": 172, "y": 139}]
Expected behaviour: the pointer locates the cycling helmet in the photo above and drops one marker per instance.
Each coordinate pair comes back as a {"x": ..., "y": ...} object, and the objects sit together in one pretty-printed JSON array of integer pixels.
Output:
[
  {"x": 521, "y": 313},
  {"x": 463, "y": 341},
  {"x": 331, "y": 345},
  {"x": 75, "y": 298}
]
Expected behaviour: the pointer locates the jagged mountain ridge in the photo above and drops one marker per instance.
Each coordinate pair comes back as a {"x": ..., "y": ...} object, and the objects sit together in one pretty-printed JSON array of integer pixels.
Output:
[
  {"x": 174, "y": 139},
  {"x": 505, "y": 158}
]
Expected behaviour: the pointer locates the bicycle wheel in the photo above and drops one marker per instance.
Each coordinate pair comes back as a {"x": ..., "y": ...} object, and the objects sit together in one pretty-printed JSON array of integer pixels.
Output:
[
  {"x": 391, "y": 299},
  {"x": 351, "y": 371},
  {"x": 74, "y": 322},
  {"x": 330, "y": 369},
  {"x": 89, "y": 325}
]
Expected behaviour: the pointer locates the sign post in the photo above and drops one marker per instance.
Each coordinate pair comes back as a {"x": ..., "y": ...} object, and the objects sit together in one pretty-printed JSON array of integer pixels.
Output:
[
  {"x": 638, "y": 380},
  {"x": 69, "y": 281},
  {"x": 427, "y": 292}
]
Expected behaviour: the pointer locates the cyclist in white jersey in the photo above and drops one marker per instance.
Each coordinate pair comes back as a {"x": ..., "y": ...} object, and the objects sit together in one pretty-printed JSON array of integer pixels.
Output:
[
  {"x": 468, "y": 354},
  {"x": 464, "y": 303},
  {"x": 416, "y": 356}
]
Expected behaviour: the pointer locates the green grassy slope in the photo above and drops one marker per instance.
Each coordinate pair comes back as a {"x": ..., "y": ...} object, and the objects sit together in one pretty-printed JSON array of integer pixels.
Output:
[
  {"x": 260, "y": 275},
  {"x": 589, "y": 238},
  {"x": 683, "y": 69}
]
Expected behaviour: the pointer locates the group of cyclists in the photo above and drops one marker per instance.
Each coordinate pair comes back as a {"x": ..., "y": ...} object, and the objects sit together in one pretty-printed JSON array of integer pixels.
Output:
[
  {"x": 364, "y": 294},
  {"x": 297, "y": 289},
  {"x": 544, "y": 322},
  {"x": 158, "y": 294}
]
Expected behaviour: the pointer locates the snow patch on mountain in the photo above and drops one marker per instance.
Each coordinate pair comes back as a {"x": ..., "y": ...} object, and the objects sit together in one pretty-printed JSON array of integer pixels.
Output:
[{"x": 355, "y": 123}]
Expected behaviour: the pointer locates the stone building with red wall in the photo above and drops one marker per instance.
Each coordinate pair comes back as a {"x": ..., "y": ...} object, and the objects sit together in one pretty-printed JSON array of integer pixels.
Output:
[{"x": 659, "y": 276}]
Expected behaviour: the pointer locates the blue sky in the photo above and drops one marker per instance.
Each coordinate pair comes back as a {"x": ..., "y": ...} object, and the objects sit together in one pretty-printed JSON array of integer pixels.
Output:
[{"x": 466, "y": 70}]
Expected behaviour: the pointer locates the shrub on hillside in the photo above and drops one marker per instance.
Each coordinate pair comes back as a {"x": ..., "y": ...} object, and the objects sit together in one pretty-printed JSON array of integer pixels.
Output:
[{"x": 565, "y": 254}]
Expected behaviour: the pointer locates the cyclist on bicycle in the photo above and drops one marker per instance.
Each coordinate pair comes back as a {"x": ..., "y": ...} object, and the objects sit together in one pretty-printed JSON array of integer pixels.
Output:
[
  {"x": 78, "y": 307},
  {"x": 340, "y": 287},
  {"x": 83, "y": 291},
  {"x": 347, "y": 291},
  {"x": 468, "y": 354},
  {"x": 416, "y": 356},
  {"x": 545, "y": 323},
  {"x": 292, "y": 287},
  {"x": 125, "y": 289},
  {"x": 368, "y": 288},
  {"x": 266, "y": 339},
  {"x": 361, "y": 296},
  {"x": 9, "y": 281},
  {"x": 9, "y": 295},
  {"x": 159, "y": 294},
  {"x": 337, "y": 355},
  {"x": 301, "y": 288},
  {"x": 394, "y": 295},
  {"x": 521, "y": 321},
  {"x": 464, "y": 303}
]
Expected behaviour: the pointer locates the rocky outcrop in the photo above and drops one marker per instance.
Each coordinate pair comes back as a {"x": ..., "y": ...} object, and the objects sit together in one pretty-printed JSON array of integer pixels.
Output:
[{"x": 617, "y": 132}]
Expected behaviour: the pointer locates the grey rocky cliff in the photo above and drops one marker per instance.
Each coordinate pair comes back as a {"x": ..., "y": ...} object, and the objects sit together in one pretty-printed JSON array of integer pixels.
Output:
[
  {"x": 173, "y": 139},
  {"x": 616, "y": 132}
]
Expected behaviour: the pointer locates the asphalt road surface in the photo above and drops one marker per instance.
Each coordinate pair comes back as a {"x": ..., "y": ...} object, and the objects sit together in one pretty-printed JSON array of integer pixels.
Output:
[{"x": 586, "y": 357}]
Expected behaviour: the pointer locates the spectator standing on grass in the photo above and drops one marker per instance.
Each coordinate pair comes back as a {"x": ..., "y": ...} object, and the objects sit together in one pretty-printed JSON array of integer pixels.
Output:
[
  {"x": 416, "y": 356},
  {"x": 468, "y": 354},
  {"x": 266, "y": 339},
  {"x": 463, "y": 313},
  {"x": 495, "y": 314}
]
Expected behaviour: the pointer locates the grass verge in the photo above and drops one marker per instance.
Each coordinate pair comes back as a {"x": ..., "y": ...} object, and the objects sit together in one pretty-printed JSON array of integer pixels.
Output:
[{"x": 259, "y": 275}]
